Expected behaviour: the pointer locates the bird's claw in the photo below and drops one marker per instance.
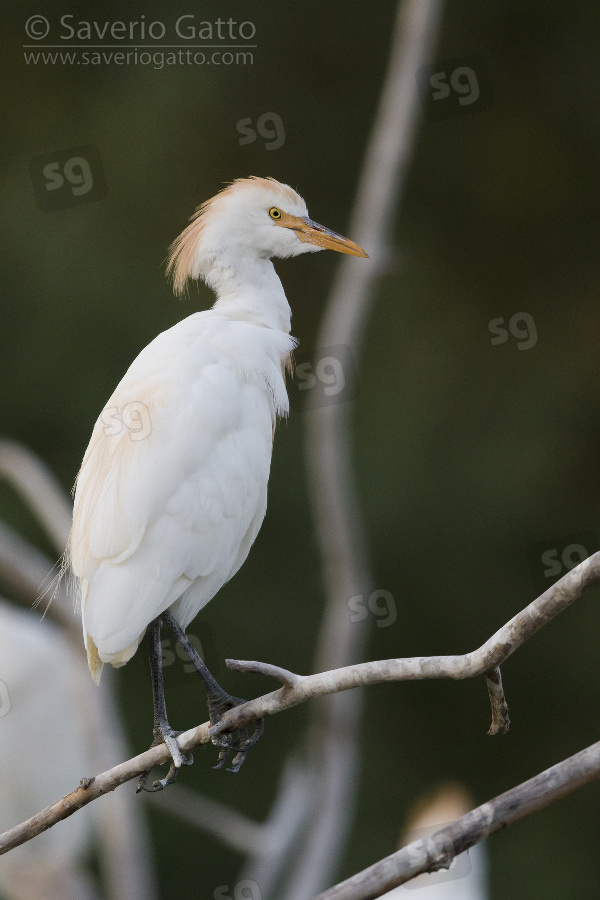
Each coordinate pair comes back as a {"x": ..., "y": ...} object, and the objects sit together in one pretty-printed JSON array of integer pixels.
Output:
[
  {"x": 226, "y": 742},
  {"x": 242, "y": 745},
  {"x": 178, "y": 759},
  {"x": 157, "y": 785}
]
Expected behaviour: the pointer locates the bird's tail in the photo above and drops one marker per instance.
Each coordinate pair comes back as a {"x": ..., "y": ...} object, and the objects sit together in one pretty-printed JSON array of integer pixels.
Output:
[{"x": 94, "y": 662}]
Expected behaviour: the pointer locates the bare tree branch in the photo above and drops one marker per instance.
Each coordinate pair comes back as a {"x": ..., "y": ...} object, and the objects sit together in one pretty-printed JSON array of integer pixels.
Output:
[
  {"x": 26, "y": 569},
  {"x": 126, "y": 857},
  {"x": 265, "y": 840},
  {"x": 90, "y": 788},
  {"x": 482, "y": 661},
  {"x": 40, "y": 489},
  {"x": 233, "y": 828},
  {"x": 436, "y": 851},
  {"x": 288, "y": 819}
]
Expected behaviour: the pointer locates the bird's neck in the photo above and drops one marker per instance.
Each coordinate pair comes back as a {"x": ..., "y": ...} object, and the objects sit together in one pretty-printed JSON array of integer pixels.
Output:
[{"x": 249, "y": 286}]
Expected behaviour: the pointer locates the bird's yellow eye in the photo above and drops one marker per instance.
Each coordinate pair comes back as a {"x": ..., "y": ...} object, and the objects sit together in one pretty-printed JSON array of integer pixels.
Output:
[{"x": 275, "y": 213}]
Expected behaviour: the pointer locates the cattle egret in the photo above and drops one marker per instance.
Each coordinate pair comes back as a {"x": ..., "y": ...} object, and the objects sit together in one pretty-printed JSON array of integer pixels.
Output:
[{"x": 173, "y": 486}]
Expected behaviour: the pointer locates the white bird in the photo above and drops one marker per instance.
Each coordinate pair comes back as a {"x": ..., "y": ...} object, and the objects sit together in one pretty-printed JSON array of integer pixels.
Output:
[
  {"x": 173, "y": 486},
  {"x": 43, "y": 742},
  {"x": 466, "y": 878}
]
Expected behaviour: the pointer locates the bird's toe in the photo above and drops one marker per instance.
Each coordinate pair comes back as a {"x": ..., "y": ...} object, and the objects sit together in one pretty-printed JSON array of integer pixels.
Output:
[
  {"x": 178, "y": 758},
  {"x": 160, "y": 784},
  {"x": 228, "y": 743}
]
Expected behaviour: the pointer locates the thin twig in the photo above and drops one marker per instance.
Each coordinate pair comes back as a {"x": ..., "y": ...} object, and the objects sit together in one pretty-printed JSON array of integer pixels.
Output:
[
  {"x": 479, "y": 662},
  {"x": 436, "y": 851},
  {"x": 259, "y": 668}
]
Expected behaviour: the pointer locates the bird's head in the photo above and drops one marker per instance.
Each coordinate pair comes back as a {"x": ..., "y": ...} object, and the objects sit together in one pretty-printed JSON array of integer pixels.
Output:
[{"x": 257, "y": 217}]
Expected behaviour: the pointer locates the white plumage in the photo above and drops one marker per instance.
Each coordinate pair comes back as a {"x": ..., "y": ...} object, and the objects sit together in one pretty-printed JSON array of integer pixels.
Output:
[
  {"x": 168, "y": 505},
  {"x": 467, "y": 878},
  {"x": 44, "y": 746}
]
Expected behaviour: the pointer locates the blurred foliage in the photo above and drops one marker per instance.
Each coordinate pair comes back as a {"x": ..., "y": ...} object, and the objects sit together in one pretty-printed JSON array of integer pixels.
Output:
[{"x": 467, "y": 453}]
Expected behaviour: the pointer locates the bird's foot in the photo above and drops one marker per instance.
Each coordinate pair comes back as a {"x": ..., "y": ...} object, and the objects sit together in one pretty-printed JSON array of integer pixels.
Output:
[
  {"x": 169, "y": 737},
  {"x": 239, "y": 741}
]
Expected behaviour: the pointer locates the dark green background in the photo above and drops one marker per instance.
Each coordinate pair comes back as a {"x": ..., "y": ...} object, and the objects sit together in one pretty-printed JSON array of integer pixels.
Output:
[{"x": 467, "y": 455}]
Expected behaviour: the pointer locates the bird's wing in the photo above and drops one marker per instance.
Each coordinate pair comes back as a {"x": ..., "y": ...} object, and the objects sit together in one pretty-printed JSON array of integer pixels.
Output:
[{"x": 175, "y": 474}]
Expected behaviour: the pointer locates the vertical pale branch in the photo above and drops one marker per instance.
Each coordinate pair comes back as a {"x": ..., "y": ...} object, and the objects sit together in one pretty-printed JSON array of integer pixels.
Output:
[
  {"x": 335, "y": 724},
  {"x": 126, "y": 859},
  {"x": 38, "y": 487},
  {"x": 287, "y": 821}
]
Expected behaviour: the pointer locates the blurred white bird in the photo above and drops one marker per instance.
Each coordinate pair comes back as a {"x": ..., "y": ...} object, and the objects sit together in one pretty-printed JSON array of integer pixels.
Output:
[
  {"x": 43, "y": 746},
  {"x": 466, "y": 879},
  {"x": 173, "y": 487}
]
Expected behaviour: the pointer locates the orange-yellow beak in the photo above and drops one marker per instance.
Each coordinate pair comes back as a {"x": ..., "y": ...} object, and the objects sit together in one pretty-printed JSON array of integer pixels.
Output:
[{"x": 312, "y": 233}]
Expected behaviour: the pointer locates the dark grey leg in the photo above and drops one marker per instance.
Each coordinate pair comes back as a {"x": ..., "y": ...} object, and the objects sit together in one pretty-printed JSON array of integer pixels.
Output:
[
  {"x": 219, "y": 701},
  {"x": 162, "y": 730}
]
